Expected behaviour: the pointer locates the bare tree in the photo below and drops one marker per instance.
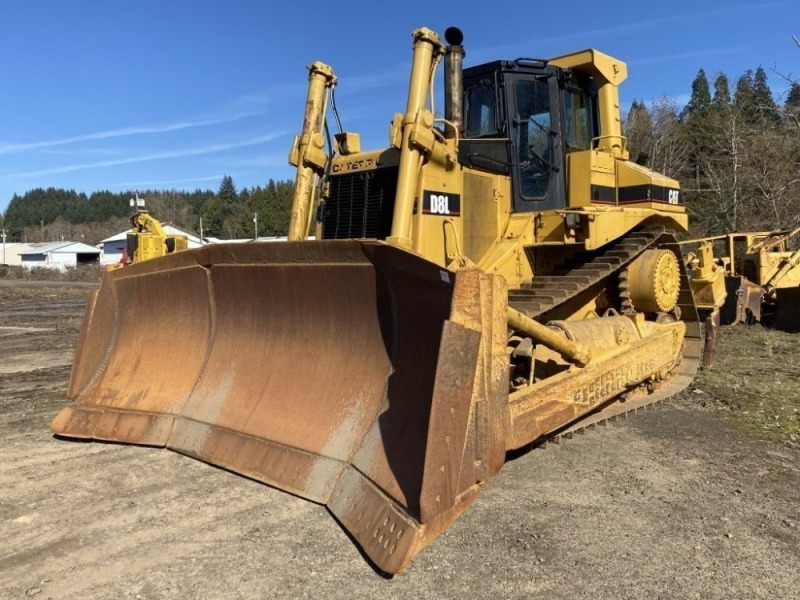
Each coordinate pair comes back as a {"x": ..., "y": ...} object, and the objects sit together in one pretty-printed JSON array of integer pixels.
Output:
[
  {"x": 670, "y": 149},
  {"x": 655, "y": 133}
]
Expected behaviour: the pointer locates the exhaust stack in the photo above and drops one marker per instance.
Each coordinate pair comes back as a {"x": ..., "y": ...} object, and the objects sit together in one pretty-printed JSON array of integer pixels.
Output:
[{"x": 454, "y": 81}]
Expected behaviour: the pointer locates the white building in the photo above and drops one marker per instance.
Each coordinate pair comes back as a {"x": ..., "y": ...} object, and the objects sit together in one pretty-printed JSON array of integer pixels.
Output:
[
  {"x": 10, "y": 253},
  {"x": 59, "y": 255},
  {"x": 113, "y": 246}
]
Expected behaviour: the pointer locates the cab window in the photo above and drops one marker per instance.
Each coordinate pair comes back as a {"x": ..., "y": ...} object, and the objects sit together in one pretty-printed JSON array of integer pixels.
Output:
[
  {"x": 535, "y": 137},
  {"x": 480, "y": 110},
  {"x": 576, "y": 120}
]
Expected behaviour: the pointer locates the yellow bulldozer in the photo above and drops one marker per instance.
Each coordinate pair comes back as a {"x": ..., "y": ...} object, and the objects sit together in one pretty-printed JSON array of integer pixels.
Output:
[{"x": 490, "y": 279}]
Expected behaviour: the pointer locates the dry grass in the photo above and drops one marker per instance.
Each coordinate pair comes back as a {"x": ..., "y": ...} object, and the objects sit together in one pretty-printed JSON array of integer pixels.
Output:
[
  {"x": 92, "y": 272},
  {"x": 756, "y": 380}
]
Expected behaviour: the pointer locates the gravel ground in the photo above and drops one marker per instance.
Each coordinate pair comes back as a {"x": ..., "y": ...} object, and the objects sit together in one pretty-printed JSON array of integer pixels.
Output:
[{"x": 672, "y": 503}]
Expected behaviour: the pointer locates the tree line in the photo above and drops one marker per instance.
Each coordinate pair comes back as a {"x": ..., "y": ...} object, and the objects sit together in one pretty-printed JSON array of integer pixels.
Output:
[
  {"x": 734, "y": 147},
  {"x": 57, "y": 214}
]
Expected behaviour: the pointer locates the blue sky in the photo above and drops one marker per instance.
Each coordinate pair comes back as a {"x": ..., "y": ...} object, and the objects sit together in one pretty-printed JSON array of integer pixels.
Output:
[{"x": 124, "y": 95}]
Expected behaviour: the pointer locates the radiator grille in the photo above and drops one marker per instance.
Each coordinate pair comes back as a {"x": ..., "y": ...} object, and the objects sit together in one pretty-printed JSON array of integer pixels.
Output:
[{"x": 360, "y": 205}]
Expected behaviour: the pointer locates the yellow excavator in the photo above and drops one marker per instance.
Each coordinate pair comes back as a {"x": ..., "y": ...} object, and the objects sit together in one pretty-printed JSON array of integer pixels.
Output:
[
  {"x": 147, "y": 239},
  {"x": 489, "y": 280}
]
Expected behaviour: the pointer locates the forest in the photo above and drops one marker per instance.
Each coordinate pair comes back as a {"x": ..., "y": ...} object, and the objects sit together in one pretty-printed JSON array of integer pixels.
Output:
[
  {"x": 56, "y": 214},
  {"x": 735, "y": 148}
]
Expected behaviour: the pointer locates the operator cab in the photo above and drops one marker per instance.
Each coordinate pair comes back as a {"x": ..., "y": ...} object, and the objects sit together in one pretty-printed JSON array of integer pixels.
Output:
[{"x": 521, "y": 118}]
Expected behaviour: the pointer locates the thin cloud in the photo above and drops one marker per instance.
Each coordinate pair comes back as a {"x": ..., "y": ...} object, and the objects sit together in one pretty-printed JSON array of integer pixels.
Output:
[
  {"x": 138, "y": 184},
  {"x": 210, "y": 149},
  {"x": 125, "y": 131},
  {"x": 623, "y": 28},
  {"x": 84, "y": 151},
  {"x": 391, "y": 75},
  {"x": 682, "y": 56},
  {"x": 257, "y": 98},
  {"x": 264, "y": 160}
]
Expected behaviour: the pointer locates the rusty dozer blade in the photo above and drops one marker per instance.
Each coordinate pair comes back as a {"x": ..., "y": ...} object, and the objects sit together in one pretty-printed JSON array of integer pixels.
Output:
[
  {"x": 350, "y": 373},
  {"x": 742, "y": 302}
]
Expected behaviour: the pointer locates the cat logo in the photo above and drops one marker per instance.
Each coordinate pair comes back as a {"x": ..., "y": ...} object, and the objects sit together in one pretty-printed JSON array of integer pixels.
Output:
[
  {"x": 438, "y": 203},
  {"x": 673, "y": 196}
]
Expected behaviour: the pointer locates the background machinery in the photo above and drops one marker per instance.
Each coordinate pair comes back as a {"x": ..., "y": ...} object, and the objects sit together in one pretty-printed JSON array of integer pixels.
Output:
[
  {"x": 707, "y": 279},
  {"x": 147, "y": 239},
  {"x": 762, "y": 276},
  {"x": 488, "y": 280}
]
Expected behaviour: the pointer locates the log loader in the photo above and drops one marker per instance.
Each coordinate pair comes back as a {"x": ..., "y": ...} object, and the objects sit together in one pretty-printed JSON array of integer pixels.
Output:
[
  {"x": 487, "y": 281},
  {"x": 761, "y": 273},
  {"x": 147, "y": 239}
]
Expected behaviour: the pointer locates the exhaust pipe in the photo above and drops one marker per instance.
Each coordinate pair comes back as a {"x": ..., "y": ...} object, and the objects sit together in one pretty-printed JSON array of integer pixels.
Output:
[{"x": 454, "y": 81}]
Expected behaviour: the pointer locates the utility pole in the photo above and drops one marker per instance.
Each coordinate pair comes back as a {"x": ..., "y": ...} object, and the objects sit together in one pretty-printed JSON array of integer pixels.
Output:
[{"x": 255, "y": 223}]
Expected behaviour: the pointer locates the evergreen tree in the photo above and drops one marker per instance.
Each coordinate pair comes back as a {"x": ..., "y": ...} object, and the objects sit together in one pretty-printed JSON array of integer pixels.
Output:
[
  {"x": 793, "y": 98},
  {"x": 227, "y": 191},
  {"x": 792, "y": 106},
  {"x": 223, "y": 214},
  {"x": 743, "y": 97},
  {"x": 213, "y": 216},
  {"x": 762, "y": 98},
  {"x": 722, "y": 91},
  {"x": 197, "y": 202},
  {"x": 278, "y": 207},
  {"x": 701, "y": 95},
  {"x": 12, "y": 219}
]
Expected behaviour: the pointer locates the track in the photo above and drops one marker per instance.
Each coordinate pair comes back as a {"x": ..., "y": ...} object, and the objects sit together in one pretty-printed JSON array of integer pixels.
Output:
[
  {"x": 587, "y": 269},
  {"x": 580, "y": 273}
]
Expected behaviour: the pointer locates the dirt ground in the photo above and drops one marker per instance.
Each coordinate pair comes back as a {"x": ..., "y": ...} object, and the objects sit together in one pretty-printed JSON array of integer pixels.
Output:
[{"x": 673, "y": 503}]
